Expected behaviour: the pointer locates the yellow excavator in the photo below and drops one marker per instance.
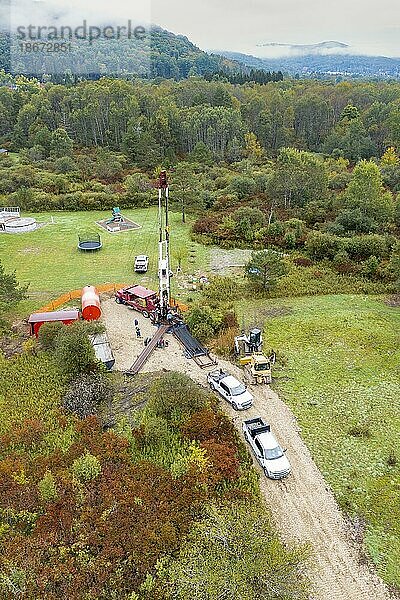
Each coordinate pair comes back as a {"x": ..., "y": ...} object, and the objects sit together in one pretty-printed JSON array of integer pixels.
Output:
[{"x": 248, "y": 350}]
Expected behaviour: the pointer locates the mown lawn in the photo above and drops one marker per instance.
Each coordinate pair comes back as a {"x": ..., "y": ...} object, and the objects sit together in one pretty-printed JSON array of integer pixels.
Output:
[
  {"x": 48, "y": 258},
  {"x": 342, "y": 380}
]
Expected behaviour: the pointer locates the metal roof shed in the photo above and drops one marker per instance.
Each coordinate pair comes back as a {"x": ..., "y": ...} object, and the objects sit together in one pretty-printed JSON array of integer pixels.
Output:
[
  {"x": 36, "y": 320},
  {"x": 102, "y": 349}
]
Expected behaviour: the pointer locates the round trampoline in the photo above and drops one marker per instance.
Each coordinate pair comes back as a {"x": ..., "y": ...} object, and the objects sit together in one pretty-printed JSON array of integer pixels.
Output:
[{"x": 89, "y": 243}]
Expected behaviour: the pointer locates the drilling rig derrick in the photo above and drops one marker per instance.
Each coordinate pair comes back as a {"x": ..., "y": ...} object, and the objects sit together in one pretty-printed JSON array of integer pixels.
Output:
[{"x": 164, "y": 272}]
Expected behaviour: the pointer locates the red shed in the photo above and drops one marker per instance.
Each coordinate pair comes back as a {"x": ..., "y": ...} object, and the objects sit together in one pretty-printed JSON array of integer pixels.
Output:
[{"x": 65, "y": 316}]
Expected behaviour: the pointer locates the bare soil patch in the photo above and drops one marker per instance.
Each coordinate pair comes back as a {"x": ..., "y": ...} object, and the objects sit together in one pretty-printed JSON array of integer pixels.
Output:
[
  {"x": 393, "y": 301},
  {"x": 223, "y": 261}
]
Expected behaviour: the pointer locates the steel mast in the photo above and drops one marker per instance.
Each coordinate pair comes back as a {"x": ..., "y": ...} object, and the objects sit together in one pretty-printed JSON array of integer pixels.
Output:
[{"x": 163, "y": 258}]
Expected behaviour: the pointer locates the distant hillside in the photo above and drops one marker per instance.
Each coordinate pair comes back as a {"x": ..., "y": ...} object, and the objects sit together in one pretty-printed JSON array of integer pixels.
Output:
[
  {"x": 346, "y": 65},
  {"x": 176, "y": 56},
  {"x": 163, "y": 54}
]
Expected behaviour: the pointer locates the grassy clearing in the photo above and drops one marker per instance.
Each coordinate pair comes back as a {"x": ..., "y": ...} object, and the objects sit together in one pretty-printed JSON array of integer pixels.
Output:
[
  {"x": 48, "y": 259},
  {"x": 342, "y": 380}
]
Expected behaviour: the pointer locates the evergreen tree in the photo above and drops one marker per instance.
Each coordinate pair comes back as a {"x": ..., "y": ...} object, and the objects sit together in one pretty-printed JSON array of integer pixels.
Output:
[{"x": 61, "y": 144}]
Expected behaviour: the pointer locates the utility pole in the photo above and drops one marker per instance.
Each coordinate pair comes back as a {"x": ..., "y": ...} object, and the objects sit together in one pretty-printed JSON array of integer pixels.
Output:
[{"x": 163, "y": 259}]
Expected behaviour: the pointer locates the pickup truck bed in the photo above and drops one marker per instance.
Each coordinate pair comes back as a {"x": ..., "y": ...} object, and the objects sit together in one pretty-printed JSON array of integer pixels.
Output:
[
  {"x": 218, "y": 375},
  {"x": 256, "y": 427}
]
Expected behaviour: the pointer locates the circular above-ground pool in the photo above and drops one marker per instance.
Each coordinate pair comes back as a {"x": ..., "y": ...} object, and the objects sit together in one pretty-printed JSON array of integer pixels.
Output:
[
  {"x": 20, "y": 225},
  {"x": 89, "y": 243}
]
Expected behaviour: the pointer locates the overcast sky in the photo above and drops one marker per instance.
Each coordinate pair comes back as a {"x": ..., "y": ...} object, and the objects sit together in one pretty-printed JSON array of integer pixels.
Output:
[{"x": 368, "y": 26}]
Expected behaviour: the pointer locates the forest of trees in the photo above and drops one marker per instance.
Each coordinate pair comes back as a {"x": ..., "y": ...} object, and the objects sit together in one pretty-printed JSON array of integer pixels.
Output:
[
  {"x": 159, "y": 54},
  {"x": 307, "y": 167},
  {"x": 153, "y": 122},
  {"x": 251, "y": 76}
]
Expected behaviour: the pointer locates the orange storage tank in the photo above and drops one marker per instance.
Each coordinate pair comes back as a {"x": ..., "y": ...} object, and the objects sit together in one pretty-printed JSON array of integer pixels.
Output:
[{"x": 91, "y": 310}]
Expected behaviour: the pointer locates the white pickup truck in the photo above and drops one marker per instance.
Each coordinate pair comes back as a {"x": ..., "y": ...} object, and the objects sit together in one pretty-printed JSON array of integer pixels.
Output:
[
  {"x": 266, "y": 449},
  {"x": 141, "y": 263},
  {"x": 231, "y": 389}
]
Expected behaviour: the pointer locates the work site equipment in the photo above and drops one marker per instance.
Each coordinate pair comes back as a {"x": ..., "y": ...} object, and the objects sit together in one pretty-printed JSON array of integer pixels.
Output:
[
  {"x": 139, "y": 298},
  {"x": 193, "y": 348},
  {"x": 161, "y": 308},
  {"x": 148, "y": 351},
  {"x": 164, "y": 273},
  {"x": 248, "y": 349}
]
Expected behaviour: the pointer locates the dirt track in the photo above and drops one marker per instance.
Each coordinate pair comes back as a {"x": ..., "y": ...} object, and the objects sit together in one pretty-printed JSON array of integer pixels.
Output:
[{"x": 302, "y": 506}]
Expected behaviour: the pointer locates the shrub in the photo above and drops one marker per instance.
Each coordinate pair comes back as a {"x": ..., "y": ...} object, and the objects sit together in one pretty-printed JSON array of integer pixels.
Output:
[
  {"x": 325, "y": 246},
  {"x": 225, "y": 289},
  {"x": 247, "y": 221},
  {"x": 314, "y": 212},
  {"x": 274, "y": 232},
  {"x": 47, "y": 487},
  {"x": 175, "y": 398},
  {"x": 136, "y": 183},
  {"x": 342, "y": 263},
  {"x": 223, "y": 463},
  {"x": 360, "y": 430},
  {"x": 203, "y": 322},
  {"x": 74, "y": 353},
  {"x": 224, "y": 343},
  {"x": 307, "y": 281},
  {"x": 355, "y": 221},
  {"x": 392, "y": 271},
  {"x": 65, "y": 164},
  {"x": 209, "y": 424},
  {"x": 242, "y": 186},
  {"x": 208, "y": 560},
  {"x": 86, "y": 467},
  {"x": 397, "y": 211},
  {"x": 289, "y": 241},
  {"x": 322, "y": 245},
  {"x": 392, "y": 458},
  {"x": 370, "y": 267},
  {"x": 363, "y": 246},
  {"x": 206, "y": 225},
  {"x": 53, "y": 183},
  {"x": 107, "y": 165},
  {"x": 32, "y": 155},
  {"x": 302, "y": 261},
  {"x": 48, "y": 334}
]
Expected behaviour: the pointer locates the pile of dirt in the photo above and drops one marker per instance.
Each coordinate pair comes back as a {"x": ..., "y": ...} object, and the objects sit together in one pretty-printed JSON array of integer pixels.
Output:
[
  {"x": 13, "y": 343},
  {"x": 393, "y": 301}
]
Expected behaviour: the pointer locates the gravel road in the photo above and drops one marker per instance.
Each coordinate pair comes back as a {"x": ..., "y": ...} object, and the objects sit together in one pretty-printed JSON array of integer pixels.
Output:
[{"x": 303, "y": 507}]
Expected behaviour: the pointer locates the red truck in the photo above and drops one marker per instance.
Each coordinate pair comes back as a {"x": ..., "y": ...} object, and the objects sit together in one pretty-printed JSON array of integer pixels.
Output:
[{"x": 139, "y": 298}]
